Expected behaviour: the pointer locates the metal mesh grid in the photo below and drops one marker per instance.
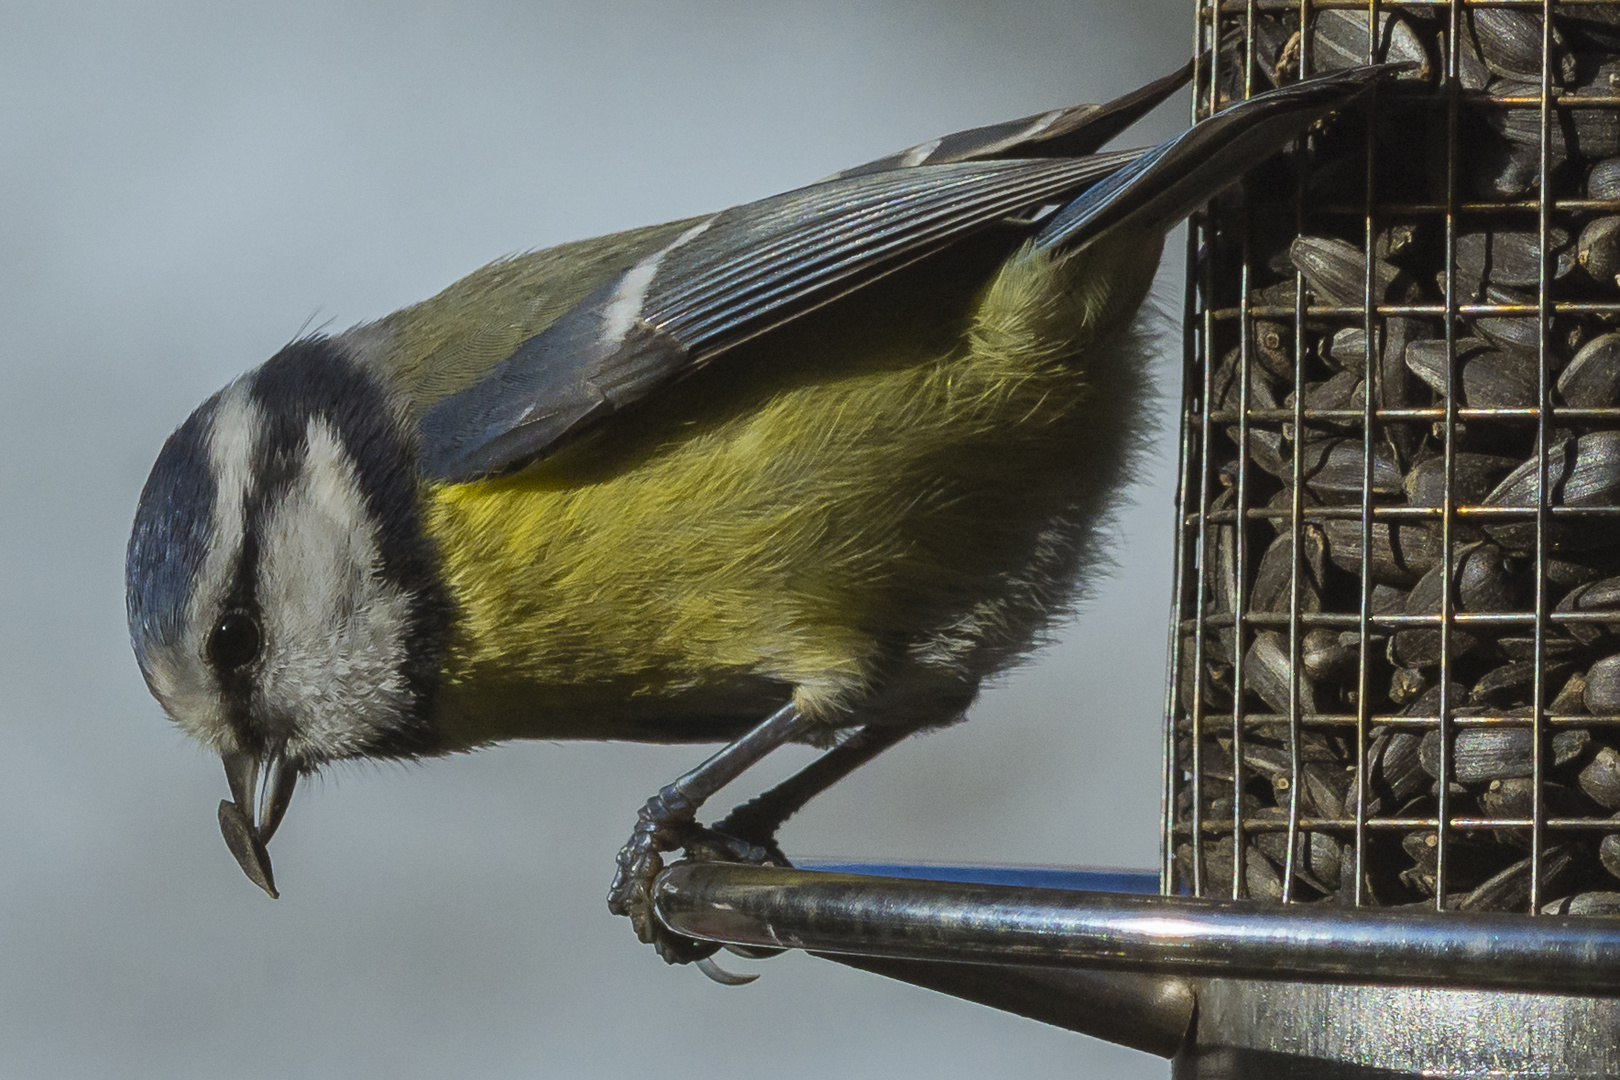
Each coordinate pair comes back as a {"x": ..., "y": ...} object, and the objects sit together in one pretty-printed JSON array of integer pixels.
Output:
[{"x": 1335, "y": 649}]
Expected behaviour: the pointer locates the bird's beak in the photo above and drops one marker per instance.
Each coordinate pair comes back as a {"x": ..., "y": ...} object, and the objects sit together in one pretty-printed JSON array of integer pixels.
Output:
[{"x": 266, "y": 783}]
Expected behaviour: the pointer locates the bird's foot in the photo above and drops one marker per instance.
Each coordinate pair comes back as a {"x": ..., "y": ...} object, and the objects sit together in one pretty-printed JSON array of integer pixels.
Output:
[{"x": 668, "y": 821}]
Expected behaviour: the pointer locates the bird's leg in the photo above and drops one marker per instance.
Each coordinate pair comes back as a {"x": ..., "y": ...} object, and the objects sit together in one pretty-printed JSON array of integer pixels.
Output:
[
  {"x": 757, "y": 820},
  {"x": 669, "y": 821}
]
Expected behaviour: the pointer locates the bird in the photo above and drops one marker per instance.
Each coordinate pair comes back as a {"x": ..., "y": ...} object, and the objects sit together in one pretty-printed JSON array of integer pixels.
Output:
[{"x": 810, "y": 469}]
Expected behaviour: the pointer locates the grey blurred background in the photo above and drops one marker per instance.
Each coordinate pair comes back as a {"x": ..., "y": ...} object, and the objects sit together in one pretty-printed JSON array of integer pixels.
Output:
[{"x": 183, "y": 187}]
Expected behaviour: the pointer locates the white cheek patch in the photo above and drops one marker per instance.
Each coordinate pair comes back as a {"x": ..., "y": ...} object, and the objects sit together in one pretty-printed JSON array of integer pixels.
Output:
[
  {"x": 334, "y": 628},
  {"x": 180, "y": 675}
]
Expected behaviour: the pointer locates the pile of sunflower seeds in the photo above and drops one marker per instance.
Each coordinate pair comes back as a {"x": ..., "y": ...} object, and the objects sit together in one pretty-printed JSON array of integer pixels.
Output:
[{"x": 1282, "y": 707}]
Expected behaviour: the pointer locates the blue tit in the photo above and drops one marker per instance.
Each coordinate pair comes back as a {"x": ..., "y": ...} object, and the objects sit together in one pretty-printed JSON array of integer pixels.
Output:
[{"x": 807, "y": 469}]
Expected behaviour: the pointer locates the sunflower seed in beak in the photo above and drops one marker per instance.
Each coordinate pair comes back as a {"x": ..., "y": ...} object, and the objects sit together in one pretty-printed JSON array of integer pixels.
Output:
[{"x": 246, "y": 846}]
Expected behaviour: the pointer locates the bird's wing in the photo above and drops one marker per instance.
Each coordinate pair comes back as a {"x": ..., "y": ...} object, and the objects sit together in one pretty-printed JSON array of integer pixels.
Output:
[
  {"x": 731, "y": 277},
  {"x": 445, "y": 344},
  {"x": 722, "y": 281}
]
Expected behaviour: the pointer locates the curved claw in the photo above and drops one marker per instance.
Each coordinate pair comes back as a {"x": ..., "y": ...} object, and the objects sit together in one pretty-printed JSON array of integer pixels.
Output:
[{"x": 714, "y": 971}]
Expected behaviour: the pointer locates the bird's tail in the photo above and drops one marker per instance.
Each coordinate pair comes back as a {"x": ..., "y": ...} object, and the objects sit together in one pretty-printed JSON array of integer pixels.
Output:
[
  {"x": 1073, "y": 132},
  {"x": 1168, "y": 182}
]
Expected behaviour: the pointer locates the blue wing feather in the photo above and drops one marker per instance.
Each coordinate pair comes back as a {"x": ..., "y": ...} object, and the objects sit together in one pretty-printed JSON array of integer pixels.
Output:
[{"x": 751, "y": 269}]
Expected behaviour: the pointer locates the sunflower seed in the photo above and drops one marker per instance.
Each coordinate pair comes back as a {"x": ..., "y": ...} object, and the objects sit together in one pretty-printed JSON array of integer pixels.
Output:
[
  {"x": 1596, "y": 75},
  {"x": 1471, "y": 70},
  {"x": 1427, "y": 358},
  {"x": 1583, "y": 471},
  {"x": 1330, "y": 654},
  {"x": 1263, "y": 877},
  {"x": 1587, "y": 903},
  {"x": 1332, "y": 394},
  {"x": 1337, "y": 272},
  {"x": 1222, "y": 566},
  {"x": 1602, "y": 694},
  {"x": 1569, "y": 699},
  {"x": 1508, "y": 257},
  {"x": 1322, "y": 786},
  {"x": 1595, "y": 596},
  {"x": 1609, "y": 853},
  {"x": 1396, "y": 388},
  {"x": 1422, "y": 848},
  {"x": 1272, "y": 590},
  {"x": 1192, "y": 682},
  {"x": 1510, "y": 331},
  {"x": 1348, "y": 349},
  {"x": 1501, "y": 378},
  {"x": 1592, "y": 379},
  {"x": 1269, "y": 674},
  {"x": 1281, "y": 295},
  {"x": 1339, "y": 39},
  {"x": 1393, "y": 240},
  {"x": 1513, "y": 799},
  {"x": 1513, "y": 682},
  {"x": 1395, "y": 768},
  {"x": 1603, "y": 182},
  {"x": 243, "y": 840},
  {"x": 1271, "y": 349},
  {"x": 1317, "y": 861},
  {"x": 1482, "y": 754},
  {"x": 1420, "y": 647},
  {"x": 1510, "y": 44},
  {"x": 1510, "y": 889},
  {"x": 1400, "y": 555},
  {"x": 1598, "y": 250},
  {"x": 1484, "y": 582},
  {"x": 1600, "y": 779},
  {"x": 1335, "y": 466},
  {"x": 1492, "y": 377},
  {"x": 1388, "y": 600},
  {"x": 1473, "y": 476},
  {"x": 1265, "y": 444},
  {"x": 1471, "y": 858},
  {"x": 1595, "y": 132},
  {"x": 1566, "y": 573},
  {"x": 1407, "y": 684},
  {"x": 1220, "y": 809},
  {"x": 1225, "y": 390},
  {"x": 1555, "y": 648}
]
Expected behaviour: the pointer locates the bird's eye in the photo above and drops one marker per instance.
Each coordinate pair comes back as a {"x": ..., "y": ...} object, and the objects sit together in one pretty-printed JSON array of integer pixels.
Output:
[{"x": 234, "y": 642}]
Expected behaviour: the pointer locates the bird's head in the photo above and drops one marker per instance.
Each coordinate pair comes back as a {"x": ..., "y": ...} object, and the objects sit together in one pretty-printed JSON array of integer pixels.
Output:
[{"x": 284, "y": 602}]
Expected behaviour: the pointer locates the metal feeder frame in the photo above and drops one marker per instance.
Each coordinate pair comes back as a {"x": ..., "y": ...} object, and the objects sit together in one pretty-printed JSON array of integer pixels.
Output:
[{"x": 1224, "y": 985}]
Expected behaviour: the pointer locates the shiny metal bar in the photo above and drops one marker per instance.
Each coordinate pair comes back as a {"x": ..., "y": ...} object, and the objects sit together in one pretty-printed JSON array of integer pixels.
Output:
[{"x": 769, "y": 907}]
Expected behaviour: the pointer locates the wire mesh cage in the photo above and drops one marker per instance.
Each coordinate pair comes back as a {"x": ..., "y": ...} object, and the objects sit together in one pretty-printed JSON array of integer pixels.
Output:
[
  {"x": 1395, "y": 654},
  {"x": 1393, "y": 704}
]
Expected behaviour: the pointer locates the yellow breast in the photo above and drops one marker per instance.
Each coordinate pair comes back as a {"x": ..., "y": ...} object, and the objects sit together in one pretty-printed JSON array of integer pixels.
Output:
[{"x": 753, "y": 534}]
